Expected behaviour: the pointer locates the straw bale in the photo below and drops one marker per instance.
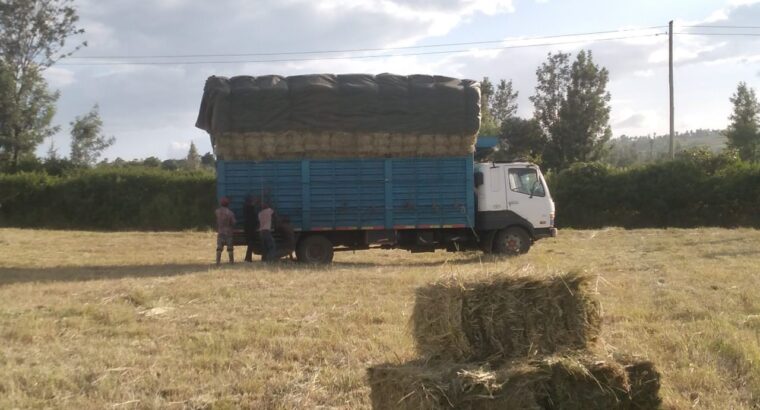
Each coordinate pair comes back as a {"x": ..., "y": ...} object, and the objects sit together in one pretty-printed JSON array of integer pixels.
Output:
[
  {"x": 417, "y": 385},
  {"x": 425, "y": 146},
  {"x": 294, "y": 145},
  {"x": 364, "y": 144},
  {"x": 220, "y": 150},
  {"x": 313, "y": 144},
  {"x": 505, "y": 317},
  {"x": 409, "y": 142},
  {"x": 644, "y": 381},
  {"x": 583, "y": 383},
  {"x": 397, "y": 146},
  {"x": 562, "y": 382}
]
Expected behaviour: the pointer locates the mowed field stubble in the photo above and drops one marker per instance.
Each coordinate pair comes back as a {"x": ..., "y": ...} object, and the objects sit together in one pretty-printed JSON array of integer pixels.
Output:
[{"x": 142, "y": 320}]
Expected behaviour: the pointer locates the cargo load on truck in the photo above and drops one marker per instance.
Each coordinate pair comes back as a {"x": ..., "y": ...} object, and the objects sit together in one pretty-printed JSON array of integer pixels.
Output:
[{"x": 325, "y": 116}]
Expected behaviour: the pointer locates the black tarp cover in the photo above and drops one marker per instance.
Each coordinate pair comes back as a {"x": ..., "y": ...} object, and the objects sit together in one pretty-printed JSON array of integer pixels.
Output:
[{"x": 351, "y": 102}]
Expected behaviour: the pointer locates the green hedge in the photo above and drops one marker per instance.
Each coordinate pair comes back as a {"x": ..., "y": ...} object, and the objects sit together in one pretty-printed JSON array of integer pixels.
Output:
[
  {"x": 109, "y": 199},
  {"x": 684, "y": 193},
  {"x": 693, "y": 191}
]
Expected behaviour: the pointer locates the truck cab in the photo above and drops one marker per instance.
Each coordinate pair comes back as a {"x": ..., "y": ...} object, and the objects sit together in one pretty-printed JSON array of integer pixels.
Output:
[{"x": 514, "y": 207}]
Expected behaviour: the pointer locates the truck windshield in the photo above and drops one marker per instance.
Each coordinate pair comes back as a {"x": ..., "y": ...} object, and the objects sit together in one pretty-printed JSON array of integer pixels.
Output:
[{"x": 526, "y": 181}]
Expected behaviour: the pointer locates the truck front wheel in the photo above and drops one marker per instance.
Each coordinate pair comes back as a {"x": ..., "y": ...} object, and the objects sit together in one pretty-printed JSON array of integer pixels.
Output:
[
  {"x": 315, "y": 249},
  {"x": 511, "y": 241}
]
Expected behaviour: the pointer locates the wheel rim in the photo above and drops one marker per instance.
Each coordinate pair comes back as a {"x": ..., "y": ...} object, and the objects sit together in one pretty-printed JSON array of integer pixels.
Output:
[
  {"x": 514, "y": 243},
  {"x": 315, "y": 252}
]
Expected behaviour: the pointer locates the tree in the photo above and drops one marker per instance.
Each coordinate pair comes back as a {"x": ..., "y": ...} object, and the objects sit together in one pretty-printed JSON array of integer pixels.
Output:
[
  {"x": 208, "y": 160},
  {"x": 583, "y": 126},
  {"x": 551, "y": 89},
  {"x": 87, "y": 139},
  {"x": 504, "y": 102},
  {"x": 152, "y": 162},
  {"x": 52, "y": 152},
  {"x": 521, "y": 139},
  {"x": 743, "y": 133},
  {"x": 572, "y": 109},
  {"x": 26, "y": 112},
  {"x": 33, "y": 35},
  {"x": 193, "y": 160},
  {"x": 487, "y": 124}
]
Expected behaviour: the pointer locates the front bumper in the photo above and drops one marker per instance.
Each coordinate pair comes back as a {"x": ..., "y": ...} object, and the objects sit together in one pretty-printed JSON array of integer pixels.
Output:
[{"x": 542, "y": 233}]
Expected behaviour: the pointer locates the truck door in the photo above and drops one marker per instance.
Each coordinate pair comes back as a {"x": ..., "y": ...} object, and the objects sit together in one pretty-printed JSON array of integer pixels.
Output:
[{"x": 527, "y": 195}]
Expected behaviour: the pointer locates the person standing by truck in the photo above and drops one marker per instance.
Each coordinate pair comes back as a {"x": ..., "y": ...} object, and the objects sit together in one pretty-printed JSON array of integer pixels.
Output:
[
  {"x": 250, "y": 226},
  {"x": 225, "y": 224},
  {"x": 266, "y": 215},
  {"x": 285, "y": 229}
]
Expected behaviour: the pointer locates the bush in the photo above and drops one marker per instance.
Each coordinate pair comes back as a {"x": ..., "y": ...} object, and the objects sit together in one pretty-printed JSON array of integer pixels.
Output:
[
  {"x": 697, "y": 189},
  {"x": 694, "y": 190},
  {"x": 108, "y": 199}
]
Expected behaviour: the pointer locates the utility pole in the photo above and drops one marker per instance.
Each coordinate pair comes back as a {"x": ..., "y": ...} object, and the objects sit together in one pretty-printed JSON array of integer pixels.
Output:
[{"x": 672, "y": 105}]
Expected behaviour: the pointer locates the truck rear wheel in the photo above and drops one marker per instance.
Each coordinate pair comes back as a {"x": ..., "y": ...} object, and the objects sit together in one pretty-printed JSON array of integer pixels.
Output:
[
  {"x": 511, "y": 241},
  {"x": 315, "y": 249}
]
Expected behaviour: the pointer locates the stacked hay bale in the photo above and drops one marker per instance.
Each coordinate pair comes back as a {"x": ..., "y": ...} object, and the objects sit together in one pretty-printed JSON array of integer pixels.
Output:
[
  {"x": 340, "y": 116},
  {"x": 511, "y": 343}
]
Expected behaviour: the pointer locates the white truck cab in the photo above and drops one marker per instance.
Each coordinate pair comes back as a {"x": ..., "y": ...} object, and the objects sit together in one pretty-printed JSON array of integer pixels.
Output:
[{"x": 514, "y": 206}]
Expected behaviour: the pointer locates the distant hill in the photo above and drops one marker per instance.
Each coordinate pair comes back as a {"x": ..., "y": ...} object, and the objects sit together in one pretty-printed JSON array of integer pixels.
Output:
[{"x": 626, "y": 151}]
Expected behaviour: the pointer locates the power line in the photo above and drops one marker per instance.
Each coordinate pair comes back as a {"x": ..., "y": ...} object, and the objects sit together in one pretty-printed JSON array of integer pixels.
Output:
[
  {"x": 720, "y": 34},
  {"x": 355, "y": 50},
  {"x": 287, "y": 60},
  {"x": 709, "y": 26}
]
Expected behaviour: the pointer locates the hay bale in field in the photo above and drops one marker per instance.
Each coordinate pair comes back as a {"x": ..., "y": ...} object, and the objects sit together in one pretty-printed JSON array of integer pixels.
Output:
[
  {"x": 582, "y": 383},
  {"x": 644, "y": 381},
  {"x": 505, "y": 317},
  {"x": 417, "y": 385},
  {"x": 555, "y": 382}
]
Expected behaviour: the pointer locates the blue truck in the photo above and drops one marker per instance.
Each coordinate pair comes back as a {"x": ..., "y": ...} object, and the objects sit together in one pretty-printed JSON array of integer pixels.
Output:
[
  {"x": 360, "y": 161},
  {"x": 417, "y": 204}
]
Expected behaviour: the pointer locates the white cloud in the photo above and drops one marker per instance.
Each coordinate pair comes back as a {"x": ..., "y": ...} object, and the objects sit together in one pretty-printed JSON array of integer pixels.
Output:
[{"x": 58, "y": 77}]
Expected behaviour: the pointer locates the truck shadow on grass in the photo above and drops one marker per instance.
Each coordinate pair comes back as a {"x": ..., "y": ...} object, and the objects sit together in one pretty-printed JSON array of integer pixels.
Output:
[
  {"x": 10, "y": 276},
  {"x": 468, "y": 260}
]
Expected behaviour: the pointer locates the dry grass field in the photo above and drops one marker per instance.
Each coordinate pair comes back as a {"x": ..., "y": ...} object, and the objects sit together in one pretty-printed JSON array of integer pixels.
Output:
[{"x": 141, "y": 320}]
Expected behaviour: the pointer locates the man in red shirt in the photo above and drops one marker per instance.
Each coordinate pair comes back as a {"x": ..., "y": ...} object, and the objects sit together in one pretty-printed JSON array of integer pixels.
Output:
[{"x": 225, "y": 224}]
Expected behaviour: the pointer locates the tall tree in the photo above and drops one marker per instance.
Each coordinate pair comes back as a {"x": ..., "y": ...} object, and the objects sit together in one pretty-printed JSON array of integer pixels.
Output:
[
  {"x": 553, "y": 77},
  {"x": 504, "y": 102},
  {"x": 743, "y": 132},
  {"x": 33, "y": 36},
  {"x": 521, "y": 139},
  {"x": 193, "y": 160},
  {"x": 52, "y": 152},
  {"x": 26, "y": 112},
  {"x": 487, "y": 124},
  {"x": 87, "y": 139},
  {"x": 572, "y": 107},
  {"x": 583, "y": 128}
]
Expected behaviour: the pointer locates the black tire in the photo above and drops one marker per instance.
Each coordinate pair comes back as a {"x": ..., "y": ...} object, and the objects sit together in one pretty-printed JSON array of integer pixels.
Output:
[
  {"x": 512, "y": 241},
  {"x": 315, "y": 249}
]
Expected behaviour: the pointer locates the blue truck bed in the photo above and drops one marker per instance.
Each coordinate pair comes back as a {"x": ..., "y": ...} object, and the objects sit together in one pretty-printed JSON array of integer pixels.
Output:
[{"x": 354, "y": 194}]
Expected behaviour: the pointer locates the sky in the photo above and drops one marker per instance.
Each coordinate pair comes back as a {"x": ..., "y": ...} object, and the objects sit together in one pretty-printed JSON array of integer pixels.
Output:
[{"x": 151, "y": 108}]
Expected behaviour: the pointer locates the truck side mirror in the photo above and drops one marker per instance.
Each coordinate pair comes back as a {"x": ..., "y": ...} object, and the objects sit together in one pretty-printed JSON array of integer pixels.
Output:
[{"x": 478, "y": 179}]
